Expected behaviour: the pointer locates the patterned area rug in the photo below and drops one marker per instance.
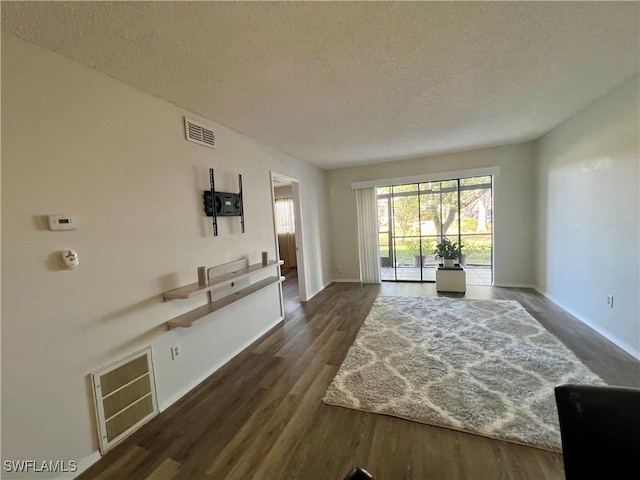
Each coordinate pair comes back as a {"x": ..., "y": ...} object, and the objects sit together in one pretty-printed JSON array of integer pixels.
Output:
[{"x": 480, "y": 366}]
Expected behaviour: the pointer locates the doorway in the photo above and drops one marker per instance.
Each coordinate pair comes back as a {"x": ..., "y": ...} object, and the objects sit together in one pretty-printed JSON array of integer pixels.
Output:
[
  {"x": 413, "y": 218},
  {"x": 288, "y": 237}
]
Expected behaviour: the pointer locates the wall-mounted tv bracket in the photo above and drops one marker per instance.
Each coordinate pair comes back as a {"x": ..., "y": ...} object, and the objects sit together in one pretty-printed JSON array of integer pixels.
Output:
[
  {"x": 241, "y": 204},
  {"x": 223, "y": 204}
]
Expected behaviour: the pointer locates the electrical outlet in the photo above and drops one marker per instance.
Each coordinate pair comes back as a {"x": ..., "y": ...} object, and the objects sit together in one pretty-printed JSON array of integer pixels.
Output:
[
  {"x": 339, "y": 268},
  {"x": 610, "y": 301},
  {"x": 176, "y": 351}
]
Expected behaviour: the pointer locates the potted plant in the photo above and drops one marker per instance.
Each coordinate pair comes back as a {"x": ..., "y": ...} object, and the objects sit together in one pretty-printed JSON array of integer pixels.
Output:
[{"x": 448, "y": 252}]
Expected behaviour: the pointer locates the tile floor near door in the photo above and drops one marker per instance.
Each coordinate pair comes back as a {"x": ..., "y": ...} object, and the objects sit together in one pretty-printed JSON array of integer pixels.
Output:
[{"x": 476, "y": 275}]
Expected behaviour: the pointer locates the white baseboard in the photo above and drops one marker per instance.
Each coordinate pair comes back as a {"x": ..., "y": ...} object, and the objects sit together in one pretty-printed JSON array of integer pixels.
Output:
[
  {"x": 317, "y": 292},
  {"x": 513, "y": 285},
  {"x": 346, "y": 280},
  {"x": 166, "y": 403},
  {"x": 596, "y": 328},
  {"x": 82, "y": 465}
]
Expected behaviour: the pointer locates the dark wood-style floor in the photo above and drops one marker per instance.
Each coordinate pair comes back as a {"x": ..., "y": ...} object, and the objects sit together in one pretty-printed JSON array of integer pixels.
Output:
[{"x": 261, "y": 416}]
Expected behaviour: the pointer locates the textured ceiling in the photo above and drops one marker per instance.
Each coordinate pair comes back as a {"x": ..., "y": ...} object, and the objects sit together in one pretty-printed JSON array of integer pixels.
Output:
[{"x": 352, "y": 83}]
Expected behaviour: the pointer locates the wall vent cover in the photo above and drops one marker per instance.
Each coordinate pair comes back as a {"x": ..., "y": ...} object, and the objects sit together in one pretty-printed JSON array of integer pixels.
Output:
[
  {"x": 125, "y": 397},
  {"x": 197, "y": 133}
]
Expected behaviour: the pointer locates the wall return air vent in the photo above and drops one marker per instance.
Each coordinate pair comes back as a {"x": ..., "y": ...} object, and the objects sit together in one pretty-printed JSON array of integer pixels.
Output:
[
  {"x": 197, "y": 133},
  {"x": 125, "y": 396}
]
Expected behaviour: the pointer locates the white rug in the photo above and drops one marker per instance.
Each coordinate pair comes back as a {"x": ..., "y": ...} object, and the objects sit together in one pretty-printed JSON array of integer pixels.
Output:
[{"x": 480, "y": 366}]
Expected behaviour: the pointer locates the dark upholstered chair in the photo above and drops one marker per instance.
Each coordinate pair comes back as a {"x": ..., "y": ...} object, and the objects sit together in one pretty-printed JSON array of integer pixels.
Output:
[{"x": 600, "y": 429}]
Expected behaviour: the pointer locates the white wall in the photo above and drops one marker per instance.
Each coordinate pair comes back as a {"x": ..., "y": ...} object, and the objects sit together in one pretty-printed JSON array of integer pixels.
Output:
[
  {"x": 282, "y": 192},
  {"x": 513, "y": 206},
  {"x": 588, "y": 215},
  {"x": 75, "y": 141}
]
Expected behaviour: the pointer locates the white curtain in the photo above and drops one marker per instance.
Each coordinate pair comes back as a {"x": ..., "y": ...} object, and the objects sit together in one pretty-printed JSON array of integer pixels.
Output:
[
  {"x": 367, "y": 206},
  {"x": 284, "y": 216},
  {"x": 285, "y": 228}
]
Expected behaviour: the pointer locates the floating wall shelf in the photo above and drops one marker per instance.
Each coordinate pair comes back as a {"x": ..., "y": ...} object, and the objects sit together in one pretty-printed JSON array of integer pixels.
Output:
[
  {"x": 222, "y": 285},
  {"x": 193, "y": 289}
]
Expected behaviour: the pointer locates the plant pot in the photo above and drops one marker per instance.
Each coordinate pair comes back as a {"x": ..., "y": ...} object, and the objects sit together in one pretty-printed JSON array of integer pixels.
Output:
[{"x": 448, "y": 262}]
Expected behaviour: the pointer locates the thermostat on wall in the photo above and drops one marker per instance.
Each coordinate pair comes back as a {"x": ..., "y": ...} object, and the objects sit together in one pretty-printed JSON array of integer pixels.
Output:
[{"x": 62, "y": 222}]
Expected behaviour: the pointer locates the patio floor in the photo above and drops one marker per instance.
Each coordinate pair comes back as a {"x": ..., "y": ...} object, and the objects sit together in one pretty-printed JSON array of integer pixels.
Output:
[{"x": 475, "y": 275}]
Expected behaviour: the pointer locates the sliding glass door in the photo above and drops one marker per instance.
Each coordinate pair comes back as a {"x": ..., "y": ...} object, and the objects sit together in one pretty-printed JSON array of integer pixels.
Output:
[
  {"x": 476, "y": 228},
  {"x": 413, "y": 218}
]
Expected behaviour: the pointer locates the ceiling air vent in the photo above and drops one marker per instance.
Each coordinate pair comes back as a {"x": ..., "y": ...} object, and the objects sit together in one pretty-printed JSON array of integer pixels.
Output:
[{"x": 198, "y": 133}]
